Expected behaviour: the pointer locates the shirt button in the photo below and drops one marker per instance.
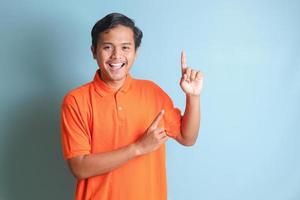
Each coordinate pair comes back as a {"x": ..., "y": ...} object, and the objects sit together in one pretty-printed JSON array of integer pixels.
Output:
[{"x": 120, "y": 108}]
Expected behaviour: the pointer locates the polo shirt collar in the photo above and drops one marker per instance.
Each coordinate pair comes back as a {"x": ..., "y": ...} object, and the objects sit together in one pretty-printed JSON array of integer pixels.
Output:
[{"x": 103, "y": 89}]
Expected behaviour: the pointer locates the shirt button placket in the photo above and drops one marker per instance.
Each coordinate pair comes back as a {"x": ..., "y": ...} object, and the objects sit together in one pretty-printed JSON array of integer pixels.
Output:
[{"x": 120, "y": 108}]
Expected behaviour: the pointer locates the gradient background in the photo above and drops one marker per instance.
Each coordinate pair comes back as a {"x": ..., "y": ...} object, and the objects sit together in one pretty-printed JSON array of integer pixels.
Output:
[{"x": 248, "y": 50}]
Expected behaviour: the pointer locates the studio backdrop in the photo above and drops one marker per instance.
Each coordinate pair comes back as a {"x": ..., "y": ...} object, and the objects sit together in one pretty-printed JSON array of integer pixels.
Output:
[{"x": 249, "y": 142}]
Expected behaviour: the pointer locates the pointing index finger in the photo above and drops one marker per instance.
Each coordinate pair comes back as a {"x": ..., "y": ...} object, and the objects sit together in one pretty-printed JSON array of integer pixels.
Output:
[
  {"x": 183, "y": 62},
  {"x": 157, "y": 119}
]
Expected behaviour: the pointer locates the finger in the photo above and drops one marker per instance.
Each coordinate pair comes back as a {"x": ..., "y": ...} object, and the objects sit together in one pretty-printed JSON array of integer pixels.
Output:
[
  {"x": 193, "y": 74},
  {"x": 184, "y": 77},
  {"x": 164, "y": 139},
  {"x": 188, "y": 73},
  {"x": 158, "y": 131},
  {"x": 157, "y": 119},
  {"x": 199, "y": 75},
  {"x": 162, "y": 134},
  {"x": 183, "y": 62}
]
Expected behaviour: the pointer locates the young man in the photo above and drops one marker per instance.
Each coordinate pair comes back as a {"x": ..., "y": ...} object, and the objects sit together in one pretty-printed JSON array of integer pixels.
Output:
[{"x": 114, "y": 128}]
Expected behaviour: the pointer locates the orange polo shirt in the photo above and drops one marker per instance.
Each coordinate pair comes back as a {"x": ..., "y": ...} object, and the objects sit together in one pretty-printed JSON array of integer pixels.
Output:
[{"x": 97, "y": 119}]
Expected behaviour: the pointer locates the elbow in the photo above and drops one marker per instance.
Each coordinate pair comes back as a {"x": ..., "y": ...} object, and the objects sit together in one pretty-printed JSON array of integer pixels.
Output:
[
  {"x": 189, "y": 143},
  {"x": 77, "y": 168},
  {"x": 79, "y": 176},
  {"x": 188, "y": 138},
  {"x": 78, "y": 173}
]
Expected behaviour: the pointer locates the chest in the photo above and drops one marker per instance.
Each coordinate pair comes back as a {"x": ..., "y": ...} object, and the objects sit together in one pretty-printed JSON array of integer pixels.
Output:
[{"x": 119, "y": 120}]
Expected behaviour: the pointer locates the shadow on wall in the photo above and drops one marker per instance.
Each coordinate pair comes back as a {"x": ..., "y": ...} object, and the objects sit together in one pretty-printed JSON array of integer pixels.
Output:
[{"x": 33, "y": 161}]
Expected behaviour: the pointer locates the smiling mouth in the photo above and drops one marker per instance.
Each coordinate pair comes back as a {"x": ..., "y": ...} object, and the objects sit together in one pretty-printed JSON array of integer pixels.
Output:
[{"x": 116, "y": 66}]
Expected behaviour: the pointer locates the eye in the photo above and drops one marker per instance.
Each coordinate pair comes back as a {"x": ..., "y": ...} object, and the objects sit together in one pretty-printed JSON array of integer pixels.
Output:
[
  {"x": 126, "y": 47},
  {"x": 106, "y": 47}
]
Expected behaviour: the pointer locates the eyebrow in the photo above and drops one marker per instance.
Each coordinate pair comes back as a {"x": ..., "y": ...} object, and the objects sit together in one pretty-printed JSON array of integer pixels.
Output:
[{"x": 123, "y": 43}]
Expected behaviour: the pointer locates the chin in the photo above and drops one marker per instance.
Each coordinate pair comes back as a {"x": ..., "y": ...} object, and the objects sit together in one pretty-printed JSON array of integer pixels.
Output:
[{"x": 118, "y": 77}]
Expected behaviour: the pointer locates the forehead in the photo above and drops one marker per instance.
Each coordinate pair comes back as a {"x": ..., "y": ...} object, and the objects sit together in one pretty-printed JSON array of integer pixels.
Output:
[{"x": 118, "y": 34}]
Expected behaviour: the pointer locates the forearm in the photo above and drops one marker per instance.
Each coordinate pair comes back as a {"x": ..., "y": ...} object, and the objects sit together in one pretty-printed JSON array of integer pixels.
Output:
[
  {"x": 87, "y": 166},
  {"x": 191, "y": 120},
  {"x": 96, "y": 164}
]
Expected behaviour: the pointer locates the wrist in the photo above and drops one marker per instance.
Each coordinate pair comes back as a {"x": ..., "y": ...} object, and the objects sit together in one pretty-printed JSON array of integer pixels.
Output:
[
  {"x": 136, "y": 150},
  {"x": 192, "y": 96}
]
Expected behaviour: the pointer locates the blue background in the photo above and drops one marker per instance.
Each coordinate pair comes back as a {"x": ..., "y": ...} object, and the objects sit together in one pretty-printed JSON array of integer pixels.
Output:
[{"x": 249, "y": 143}]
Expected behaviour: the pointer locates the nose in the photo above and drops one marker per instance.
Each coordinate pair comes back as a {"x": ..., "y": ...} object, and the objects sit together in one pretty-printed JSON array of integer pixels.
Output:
[{"x": 116, "y": 53}]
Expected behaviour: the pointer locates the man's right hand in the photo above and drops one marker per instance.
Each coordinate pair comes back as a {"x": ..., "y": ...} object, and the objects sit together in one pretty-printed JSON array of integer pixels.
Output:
[
  {"x": 153, "y": 138},
  {"x": 85, "y": 166}
]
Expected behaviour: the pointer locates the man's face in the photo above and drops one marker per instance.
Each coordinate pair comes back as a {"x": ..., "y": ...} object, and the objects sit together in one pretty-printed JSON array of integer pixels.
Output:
[{"x": 115, "y": 54}]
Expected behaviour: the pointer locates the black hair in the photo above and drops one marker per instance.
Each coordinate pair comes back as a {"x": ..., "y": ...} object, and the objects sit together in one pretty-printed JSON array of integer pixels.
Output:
[{"x": 112, "y": 20}]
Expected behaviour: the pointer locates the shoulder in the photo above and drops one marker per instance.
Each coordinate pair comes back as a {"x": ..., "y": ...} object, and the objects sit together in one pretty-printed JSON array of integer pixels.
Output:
[
  {"x": 150, "y": 89},
  {"x": 147, "y": 84},
  {"x": 78, "y": 94}
]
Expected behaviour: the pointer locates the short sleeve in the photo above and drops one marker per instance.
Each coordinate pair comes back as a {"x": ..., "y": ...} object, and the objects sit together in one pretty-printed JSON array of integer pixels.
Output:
[
  {"x": 75, "y": 139},
  {"x": 172, "y": 117}
]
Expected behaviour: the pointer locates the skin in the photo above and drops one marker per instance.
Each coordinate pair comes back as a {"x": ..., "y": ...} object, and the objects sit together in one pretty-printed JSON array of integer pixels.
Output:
[
  {"x": 115, "y": 54},
  {"x": 116, "y": 46}
]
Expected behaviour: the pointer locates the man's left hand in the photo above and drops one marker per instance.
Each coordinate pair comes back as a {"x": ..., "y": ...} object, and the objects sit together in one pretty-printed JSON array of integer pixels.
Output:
[{"x": 191, "y": 80}]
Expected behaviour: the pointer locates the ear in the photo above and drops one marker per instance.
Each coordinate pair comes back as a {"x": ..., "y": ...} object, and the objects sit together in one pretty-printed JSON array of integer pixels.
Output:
[{"x": 93, "y": 51}]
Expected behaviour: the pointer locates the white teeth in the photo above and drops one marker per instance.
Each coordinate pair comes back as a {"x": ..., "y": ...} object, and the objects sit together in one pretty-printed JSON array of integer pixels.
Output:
[{"x": 116, "y": 64}]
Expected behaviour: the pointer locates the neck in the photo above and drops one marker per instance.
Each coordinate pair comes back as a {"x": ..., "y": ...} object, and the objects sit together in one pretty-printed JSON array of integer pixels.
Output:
[{"x": 115, "y": 85}]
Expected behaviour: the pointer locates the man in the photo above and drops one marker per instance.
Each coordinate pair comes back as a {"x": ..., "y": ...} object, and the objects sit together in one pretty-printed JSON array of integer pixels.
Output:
[{"x": 114, "y": 128}]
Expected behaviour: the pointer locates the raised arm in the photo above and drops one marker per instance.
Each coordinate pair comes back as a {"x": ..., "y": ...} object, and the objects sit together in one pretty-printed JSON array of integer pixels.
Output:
[{"x": 191, "y": 83}]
